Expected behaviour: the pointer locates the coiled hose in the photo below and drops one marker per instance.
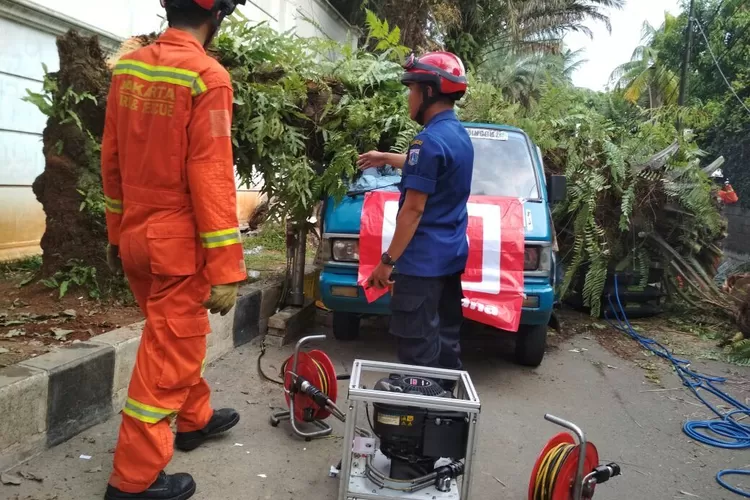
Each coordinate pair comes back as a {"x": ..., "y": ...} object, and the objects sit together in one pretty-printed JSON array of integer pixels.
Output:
[
  {"x": 729, "y": 433},
  {"x": 549, "y": 470}
]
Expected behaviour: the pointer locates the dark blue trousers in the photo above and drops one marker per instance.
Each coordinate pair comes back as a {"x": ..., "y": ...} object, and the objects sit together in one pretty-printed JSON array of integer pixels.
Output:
[{"x": 426, "y": 318}]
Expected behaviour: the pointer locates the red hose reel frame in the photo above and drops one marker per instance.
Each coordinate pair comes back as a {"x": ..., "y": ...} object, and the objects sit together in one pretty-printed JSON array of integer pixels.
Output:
[
  {"x": 317, "y": 368},
  {"x": 567, "y": 475}
]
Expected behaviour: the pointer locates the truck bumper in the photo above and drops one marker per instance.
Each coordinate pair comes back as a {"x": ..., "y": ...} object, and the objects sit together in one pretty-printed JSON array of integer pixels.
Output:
[{"x": 340, "y": 293}]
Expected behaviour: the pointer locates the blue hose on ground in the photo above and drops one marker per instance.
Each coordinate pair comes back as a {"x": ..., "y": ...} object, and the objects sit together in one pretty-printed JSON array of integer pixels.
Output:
[{"x": 728, "y": 433}]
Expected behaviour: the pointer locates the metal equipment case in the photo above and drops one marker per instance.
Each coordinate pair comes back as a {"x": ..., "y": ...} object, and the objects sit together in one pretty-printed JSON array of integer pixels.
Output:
[{"x": 354, "y": 484}]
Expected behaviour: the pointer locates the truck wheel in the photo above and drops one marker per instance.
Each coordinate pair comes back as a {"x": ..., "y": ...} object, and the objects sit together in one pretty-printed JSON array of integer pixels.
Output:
[
  {"x": 530, "y": 343},
  {"x": 345, "y": 326}
]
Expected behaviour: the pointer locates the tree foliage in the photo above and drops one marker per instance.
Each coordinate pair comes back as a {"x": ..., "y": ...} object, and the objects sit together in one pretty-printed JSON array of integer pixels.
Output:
[
  {"x": 718, "y": 81},
  {"x": 637, "y": 196},
  {"x": 477, "y": 30},
  {"x": 300, "y": 126}
]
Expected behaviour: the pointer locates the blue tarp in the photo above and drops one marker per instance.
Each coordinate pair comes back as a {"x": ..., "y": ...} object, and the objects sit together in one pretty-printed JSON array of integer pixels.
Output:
[{"x": 386, "y": 178}]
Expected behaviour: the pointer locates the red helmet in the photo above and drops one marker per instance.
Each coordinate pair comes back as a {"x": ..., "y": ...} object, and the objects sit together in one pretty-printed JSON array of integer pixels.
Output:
[
  {"x": 226, "y": 7},
  {"x": 444, "y": 70}
]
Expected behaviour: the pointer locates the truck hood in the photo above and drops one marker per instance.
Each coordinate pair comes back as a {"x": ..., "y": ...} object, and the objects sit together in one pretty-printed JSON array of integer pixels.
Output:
[{"x": 344, "y": 218}]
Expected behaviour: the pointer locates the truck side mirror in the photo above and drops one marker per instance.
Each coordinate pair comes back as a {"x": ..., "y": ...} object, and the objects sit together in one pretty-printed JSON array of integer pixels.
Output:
[{"x": 557, "y": 188}]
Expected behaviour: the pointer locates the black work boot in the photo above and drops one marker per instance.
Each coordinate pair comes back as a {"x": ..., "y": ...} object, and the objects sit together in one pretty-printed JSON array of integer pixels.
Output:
[
  {"x": 166, "y": 487},
  {"x": 220, "y": 422}
]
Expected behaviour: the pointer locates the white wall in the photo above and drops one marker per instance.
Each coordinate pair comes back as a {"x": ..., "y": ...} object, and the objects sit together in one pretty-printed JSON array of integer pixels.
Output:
[
  {"x": 124, "y": 18},
  {"x": 27, "y": 39}
]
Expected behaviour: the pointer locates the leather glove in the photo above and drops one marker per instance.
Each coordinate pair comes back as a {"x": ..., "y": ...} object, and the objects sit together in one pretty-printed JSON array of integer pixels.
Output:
[
  {"x": 113, "y": 259},
  {"x": 222, "y": 299}
]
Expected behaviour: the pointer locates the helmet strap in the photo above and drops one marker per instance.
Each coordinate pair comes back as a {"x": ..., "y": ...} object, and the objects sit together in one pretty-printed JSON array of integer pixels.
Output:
[
  {"x": 216, "y": 19},
  {"x": 427, "y": 101}
]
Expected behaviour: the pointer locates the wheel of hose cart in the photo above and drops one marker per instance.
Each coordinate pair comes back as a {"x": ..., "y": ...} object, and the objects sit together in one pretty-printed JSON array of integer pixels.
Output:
[
  {"x": 317, "y": 368},
  {"x": 556, "y": 466}
]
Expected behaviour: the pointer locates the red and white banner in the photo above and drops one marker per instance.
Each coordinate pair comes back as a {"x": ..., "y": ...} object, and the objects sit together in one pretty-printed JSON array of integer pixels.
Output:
[{"x": 493, "y": 280}]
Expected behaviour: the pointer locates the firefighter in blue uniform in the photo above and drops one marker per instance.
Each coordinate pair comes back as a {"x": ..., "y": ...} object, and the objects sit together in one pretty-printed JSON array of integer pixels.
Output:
[{"x": 429, "y": 249}]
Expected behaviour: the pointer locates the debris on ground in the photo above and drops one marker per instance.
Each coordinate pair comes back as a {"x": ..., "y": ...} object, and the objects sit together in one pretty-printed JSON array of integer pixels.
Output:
[
  {"x": 9, "y": 479},
  {"x": 30, "y": 476}
]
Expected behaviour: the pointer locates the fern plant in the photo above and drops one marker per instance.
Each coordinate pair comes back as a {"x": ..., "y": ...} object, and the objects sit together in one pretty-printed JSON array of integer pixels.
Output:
[
  {"x": 630, "y": 204},
  {"x": 300, "y": 126}
]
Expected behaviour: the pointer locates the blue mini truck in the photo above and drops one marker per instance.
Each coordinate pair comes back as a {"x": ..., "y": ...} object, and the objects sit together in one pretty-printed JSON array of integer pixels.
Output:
[{"x": 506, "y": 163}]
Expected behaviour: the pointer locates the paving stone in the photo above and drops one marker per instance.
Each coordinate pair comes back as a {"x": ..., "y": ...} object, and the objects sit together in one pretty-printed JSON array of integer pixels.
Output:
[
  {"x": 247, "y": 318},
  {"x": 80, "y": 388},
  {"x": 23, "y": 413},
  {"x": 125, "y": 342}
]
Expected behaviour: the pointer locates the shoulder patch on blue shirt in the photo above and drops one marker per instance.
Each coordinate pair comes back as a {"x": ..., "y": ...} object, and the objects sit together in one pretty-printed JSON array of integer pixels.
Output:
[{"x": 414, "y": 156}]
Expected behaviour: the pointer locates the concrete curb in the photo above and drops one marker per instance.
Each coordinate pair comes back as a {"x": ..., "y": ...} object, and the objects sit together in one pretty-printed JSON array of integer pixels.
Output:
[{"x": 47, "y": 400}]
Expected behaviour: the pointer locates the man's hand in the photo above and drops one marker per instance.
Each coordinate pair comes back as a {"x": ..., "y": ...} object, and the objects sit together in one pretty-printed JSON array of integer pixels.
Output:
[
  {"x": 222, "y": 299},
  {"x": 113, "y": 259},
  {"x": 381, "y": 276},
  {"x": 371, "y": 159}
]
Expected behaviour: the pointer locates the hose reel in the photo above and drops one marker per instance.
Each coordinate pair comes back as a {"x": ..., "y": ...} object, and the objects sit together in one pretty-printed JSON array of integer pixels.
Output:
[
  {"x": 568, "y": 468},
  {"x": 310, "y": 390}
]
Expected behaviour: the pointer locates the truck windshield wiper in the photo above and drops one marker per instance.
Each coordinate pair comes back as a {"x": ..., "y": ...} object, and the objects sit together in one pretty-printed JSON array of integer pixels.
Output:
[{"x": 358, "y": 192}]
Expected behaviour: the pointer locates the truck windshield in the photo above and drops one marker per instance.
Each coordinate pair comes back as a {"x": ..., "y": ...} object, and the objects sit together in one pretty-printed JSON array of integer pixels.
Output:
[{"x": 502, "y": 164}]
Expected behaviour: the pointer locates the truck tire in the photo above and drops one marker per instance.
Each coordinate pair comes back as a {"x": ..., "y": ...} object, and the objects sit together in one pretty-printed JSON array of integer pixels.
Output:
[
  {"x": 530, "y": 344},
  {"x": 345, "y": 326}
]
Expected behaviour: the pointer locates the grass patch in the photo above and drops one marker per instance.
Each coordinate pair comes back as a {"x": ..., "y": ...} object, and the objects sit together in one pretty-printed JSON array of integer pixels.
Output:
[
  {"x": 20, "y": 268},
  {"x": 266, "y": 261},
  {"x": 271, "y": 236}
]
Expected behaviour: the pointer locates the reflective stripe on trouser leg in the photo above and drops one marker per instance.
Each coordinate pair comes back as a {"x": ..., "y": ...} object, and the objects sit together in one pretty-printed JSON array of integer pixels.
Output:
[{"x": 146, "y": 413}]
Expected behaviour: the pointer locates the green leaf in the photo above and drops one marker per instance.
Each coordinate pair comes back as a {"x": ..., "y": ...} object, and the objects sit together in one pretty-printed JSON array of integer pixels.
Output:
[
  {"x": 50, "y": 283},
  {"x": 64, "y": 288},
  {"x": 72, "y": 114}
]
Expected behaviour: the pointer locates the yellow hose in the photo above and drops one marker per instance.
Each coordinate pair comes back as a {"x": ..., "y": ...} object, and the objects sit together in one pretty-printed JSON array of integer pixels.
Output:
[{"x": 546, "y": 477}]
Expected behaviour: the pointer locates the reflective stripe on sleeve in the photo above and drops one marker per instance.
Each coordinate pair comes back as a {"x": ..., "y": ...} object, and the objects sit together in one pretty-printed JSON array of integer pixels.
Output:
[
  {"x": 163, "y": 74},
  {"x": 222, "y": 238},
  {"x": 112, "y": 205},
  {"x": 146, "y": 413}
]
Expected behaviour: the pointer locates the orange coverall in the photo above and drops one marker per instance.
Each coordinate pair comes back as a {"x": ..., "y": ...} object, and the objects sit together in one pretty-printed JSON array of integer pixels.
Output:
[
  {"x": 167, "y": 169},
  {"x": 728, "y": 195}
]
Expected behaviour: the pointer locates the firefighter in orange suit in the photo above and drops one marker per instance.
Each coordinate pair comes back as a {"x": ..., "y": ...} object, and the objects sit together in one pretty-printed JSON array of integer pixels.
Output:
[
  {"x": 167, "y": 169},
  {"x": 728, "y": 195}
]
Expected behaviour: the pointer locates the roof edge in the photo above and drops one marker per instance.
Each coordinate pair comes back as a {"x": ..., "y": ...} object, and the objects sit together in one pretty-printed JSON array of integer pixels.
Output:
[{"x": 55, "y": 23}]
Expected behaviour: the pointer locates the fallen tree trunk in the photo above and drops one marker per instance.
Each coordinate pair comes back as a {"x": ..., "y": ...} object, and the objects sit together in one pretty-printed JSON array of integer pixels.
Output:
[{"x": 69, "y": 189}]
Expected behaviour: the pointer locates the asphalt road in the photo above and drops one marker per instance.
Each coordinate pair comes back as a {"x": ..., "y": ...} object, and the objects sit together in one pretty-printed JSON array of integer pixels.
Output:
[{"x": 629, "y": 419}]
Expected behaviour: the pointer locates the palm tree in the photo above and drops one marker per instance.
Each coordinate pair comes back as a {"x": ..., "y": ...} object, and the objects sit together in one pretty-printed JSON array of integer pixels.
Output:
[
  {"x": 522, "y": 25},
  {"x": 644, "y": 79},
  {"x": 477, "y": 29},
  {"x": 522, "y": 77}
]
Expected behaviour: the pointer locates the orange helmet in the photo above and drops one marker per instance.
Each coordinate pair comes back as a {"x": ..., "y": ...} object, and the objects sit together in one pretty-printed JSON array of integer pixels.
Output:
[{"x": 443, "y": 70}]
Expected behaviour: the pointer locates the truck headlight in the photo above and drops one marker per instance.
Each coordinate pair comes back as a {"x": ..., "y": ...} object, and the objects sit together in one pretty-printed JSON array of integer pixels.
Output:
[
  {"x": 345, "y": 250},
  {"x": 537, "y": 258},
  {"x": 531, "y": 258}
]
